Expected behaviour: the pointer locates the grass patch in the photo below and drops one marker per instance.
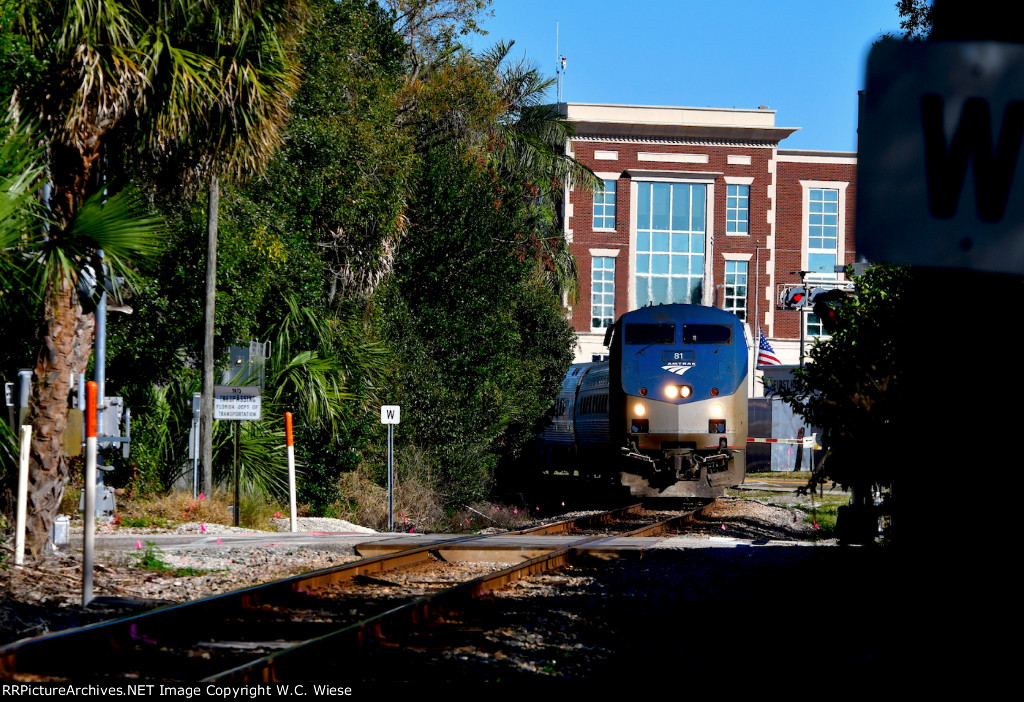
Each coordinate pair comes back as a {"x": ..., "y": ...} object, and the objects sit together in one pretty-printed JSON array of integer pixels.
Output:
[
  {"x": 144, "y": 521},
  {"x": 152, "y": 559},
  {"x": 475, "y": 518},
  {"x": 170, "y": 510},
  {"x": 417, "y": 506},
  {"x": 167, "y": 511},
  {"x": 824, "y": 511},
  {"x": 257, "y": 511},
  {"x": 780, "y": 474}
]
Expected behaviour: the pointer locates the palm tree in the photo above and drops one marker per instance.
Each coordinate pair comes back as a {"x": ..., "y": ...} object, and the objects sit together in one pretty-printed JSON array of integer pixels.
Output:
[
  {"x": 206, "y": 81},
  {"x": 40, "y": 268},
  {"x": 251, "y": 76},
  {"x": 528, "y": 142},
  {"x": 498, "y": 108},
  {"x": 325, "y": 370}
]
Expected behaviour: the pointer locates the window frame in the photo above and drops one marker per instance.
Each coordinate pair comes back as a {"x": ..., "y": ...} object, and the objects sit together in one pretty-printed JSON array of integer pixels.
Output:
[
  {"x": 604, "y": 207},
  {"x": 650, "y": 241},
  {"x": 740, "y": 301},
  {"x": 737, "y": 209},
  {"x": 609, "y": 260},
  {"x": 813, "y": 328},
  {"x": 813, "y": 229}
]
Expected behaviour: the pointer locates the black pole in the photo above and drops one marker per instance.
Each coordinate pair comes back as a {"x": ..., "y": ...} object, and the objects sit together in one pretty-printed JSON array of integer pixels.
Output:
[{"x": 238, "y": 425}]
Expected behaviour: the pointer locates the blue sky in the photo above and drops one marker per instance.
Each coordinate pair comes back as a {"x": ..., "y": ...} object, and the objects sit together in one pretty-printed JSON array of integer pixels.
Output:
[{"x": 804, "y": 59}]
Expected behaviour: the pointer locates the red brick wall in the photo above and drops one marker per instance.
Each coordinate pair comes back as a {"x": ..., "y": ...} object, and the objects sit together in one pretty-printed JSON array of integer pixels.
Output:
[
  {"x": 789, "y": 227},
  {"x": 788, "y": 220}
]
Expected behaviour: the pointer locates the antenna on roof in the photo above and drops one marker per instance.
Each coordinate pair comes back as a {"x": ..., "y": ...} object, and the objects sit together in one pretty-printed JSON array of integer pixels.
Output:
[{"x": 559, "y": 65}]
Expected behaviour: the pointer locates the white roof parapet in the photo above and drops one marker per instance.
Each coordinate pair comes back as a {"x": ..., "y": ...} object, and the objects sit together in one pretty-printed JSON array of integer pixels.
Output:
[
  {"x": 815, "y": 156},
  {"x": 674, "y": 122}
]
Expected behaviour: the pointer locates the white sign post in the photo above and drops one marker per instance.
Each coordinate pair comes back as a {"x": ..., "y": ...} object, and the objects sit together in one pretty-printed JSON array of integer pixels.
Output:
[
  {"x": 19, "y": 534},
  {"x": 391, "y": 415},
  {"x": 290, "y": 439},
  {"x": 939, "y": 178}
]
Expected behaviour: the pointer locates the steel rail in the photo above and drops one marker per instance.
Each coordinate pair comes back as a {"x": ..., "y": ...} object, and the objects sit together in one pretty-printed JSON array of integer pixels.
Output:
[
  {"x": 589, "y": 521},
  {"x": 671, "y": 524},
  {"x": 317, "y": 656},
  {"x": 89, "y": 647}
]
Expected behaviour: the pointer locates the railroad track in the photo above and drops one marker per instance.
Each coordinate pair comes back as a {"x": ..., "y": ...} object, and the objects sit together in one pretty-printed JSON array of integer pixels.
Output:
[{"x": 295, "y": 628}]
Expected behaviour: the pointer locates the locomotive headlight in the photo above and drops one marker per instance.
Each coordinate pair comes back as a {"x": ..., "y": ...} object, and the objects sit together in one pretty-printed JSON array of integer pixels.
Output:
[
  {"x": 639, "y": 409},
  {"x": 717, "y": 410},
  {"x": 674, "y": 391}
]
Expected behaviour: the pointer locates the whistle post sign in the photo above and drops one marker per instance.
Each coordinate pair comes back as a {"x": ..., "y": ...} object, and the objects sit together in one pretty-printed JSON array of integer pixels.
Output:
[
  {"x": 390, "y": 414},
  {"x": 940, "y": 179}
]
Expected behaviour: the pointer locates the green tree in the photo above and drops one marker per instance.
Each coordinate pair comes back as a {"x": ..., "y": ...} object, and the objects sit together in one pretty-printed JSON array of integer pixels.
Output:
[
  {"x": 481, "y": 342},
  {"x": 916, "y": 18},
  {"x": 316, "y": 230},
  {"x": 126, "y": 75},
  {"x": 853, "y": 385},
  {"x": 46, "y": 270},
  {"x": 472, "y": 309},
  {"x": 528, "y": 142},
  {"x": 222, "y": 106},
  {"x": 429, "y": 28},
  {"x": 342, "y": 180}
]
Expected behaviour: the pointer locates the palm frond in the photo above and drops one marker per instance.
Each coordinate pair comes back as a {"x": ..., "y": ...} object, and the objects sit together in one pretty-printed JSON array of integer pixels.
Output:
[
  {"x": 319, "y": 384},
  {"x": 263, "y": 465},
  {"x": 21, "y": 215},
  {"x": 119, "y": 226}
]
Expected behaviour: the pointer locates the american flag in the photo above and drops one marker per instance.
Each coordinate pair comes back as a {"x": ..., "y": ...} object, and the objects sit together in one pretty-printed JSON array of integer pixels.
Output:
[{"x": 765, "y": 353}]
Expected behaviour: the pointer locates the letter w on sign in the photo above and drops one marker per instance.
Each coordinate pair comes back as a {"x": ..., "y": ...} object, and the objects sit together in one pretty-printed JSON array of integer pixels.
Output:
[
  {"x": 939, "y": 181},
  {"x": 946, "y": 166}
]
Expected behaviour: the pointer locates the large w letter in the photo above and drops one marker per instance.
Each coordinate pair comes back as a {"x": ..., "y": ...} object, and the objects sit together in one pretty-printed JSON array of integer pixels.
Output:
[{"x": 947, "y": 166}]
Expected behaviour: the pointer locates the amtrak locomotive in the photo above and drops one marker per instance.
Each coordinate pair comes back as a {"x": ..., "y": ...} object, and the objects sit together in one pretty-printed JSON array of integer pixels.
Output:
[{"x": 667, "y": 413}]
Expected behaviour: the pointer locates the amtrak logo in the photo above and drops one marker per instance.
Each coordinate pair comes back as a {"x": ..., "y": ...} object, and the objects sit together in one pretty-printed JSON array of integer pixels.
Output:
[{"x": 677, "y": 369}]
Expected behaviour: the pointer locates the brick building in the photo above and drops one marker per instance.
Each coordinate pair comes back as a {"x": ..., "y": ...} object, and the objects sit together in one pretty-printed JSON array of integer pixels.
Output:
[{"x": 702, "y": 206}]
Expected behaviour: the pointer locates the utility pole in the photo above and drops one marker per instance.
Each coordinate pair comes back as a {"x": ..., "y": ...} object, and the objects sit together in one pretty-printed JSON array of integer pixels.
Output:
[
  {"x": 803, "y": 317},
  {"x": 206, "y": 411}
]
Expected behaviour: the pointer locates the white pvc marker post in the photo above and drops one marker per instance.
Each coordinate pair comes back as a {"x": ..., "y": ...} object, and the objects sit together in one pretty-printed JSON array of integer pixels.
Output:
[
  {"x": 291, "y": 470},
  {"x": 19, "y": 533},
  {"x": 391, "y": 415},
  {"x": 89, "y": 518}
]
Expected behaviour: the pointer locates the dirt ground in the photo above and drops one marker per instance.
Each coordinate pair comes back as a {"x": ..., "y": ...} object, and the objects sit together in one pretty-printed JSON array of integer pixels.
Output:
[{"x": 38, "y": 599}]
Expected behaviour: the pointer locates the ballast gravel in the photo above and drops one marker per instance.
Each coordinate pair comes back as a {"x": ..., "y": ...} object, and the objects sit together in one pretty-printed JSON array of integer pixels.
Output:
[{"x": 553, "y": 627}]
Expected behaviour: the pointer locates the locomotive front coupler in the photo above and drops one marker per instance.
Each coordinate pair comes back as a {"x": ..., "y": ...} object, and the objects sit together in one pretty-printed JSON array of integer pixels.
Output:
[
  {"x": 716, "y": 462},
  {"x": 714, "y": 458},
  {"x": 683, "y": 464}
]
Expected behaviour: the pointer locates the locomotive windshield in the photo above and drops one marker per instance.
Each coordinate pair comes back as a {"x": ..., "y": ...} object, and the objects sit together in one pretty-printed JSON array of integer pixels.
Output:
[
  {"x": 648, "y": 334},
  {"x": 707, "y": 334}
]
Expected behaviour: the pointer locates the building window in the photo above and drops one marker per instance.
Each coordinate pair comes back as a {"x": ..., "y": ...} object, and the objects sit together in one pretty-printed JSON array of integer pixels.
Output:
[
  {"x": 737, "y": 209},
  {"x": 814, "y": 326},
  {"x": 736, "y": 288},
  {"x": 602, "y": 292},
  {"x": 604, "y": 206},
  {"x": 670, "y": 223},
  {"x": 822, "y": 231}
]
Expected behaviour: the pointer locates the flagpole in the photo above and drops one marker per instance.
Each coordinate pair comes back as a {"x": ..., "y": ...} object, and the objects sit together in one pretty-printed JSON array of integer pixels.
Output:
[{"x": 757, "y": 311}]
